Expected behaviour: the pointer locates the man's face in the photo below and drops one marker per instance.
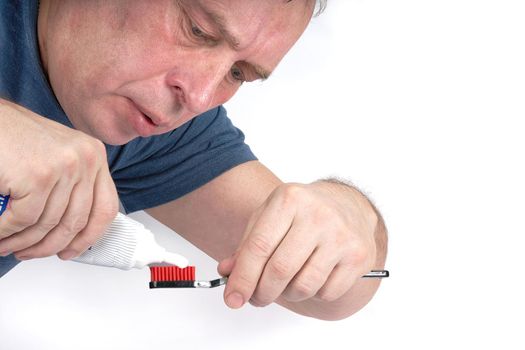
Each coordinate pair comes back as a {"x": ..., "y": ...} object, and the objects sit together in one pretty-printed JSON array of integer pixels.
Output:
[{"x": 122, "y": 69}]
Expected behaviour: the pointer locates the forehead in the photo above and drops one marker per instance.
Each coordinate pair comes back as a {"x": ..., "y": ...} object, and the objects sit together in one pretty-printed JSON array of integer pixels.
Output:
[{"x": 252, "y": 22}]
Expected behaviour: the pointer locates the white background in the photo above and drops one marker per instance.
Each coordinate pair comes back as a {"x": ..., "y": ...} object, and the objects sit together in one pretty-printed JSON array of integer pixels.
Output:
[{"x": 420, "y": 104}]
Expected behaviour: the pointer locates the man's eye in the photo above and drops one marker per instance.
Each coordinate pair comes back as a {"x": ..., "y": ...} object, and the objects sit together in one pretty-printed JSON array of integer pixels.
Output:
[
  {"x": 237, "y": 74},
  {"x": 197, "y": 31},
  {"x": 202, "y": 36}
]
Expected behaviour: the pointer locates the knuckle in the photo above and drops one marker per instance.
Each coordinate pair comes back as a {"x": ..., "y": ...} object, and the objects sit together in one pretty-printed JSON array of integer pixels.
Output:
[
  {"x": 41, "y": 251},
  {"x": 62, "y": 254},
  {"x": 104, "y": 216},
  {"x": 360, "y": 255},
  {"x": 91, "y": 150},
  {"x": 111, "y": 209},
  {"x": 98, "y": 145},
  {"x": 259, "y": 246},
  {"x": 341, "y": 241},
  {"x": 255, "y": 302},
  {"x": 51, "y": 245},
  {"x": 243, "y": 283},
  {"x": 291, "y": 193},
  {"x": 72, "y": 226},
  {"x": 305, "y": 287},
  {"x": 70, "y": 164},
  {"x": 97, "y": 149},
  {"x": 50, "y": 223},
  {"x": 42, "y": 176},
  {"x": 107, "y": 211},
  {"x": 328, "y": 295},
  {"x": 280, "y": 269},
  {"x": 23, "y": 255},
  {"x": 259, "y": 301},
  {"x": 90, "y": 156}
]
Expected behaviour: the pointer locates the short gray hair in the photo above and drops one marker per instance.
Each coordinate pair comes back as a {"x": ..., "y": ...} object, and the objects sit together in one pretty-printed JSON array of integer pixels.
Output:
[{"x": 320, "y": 5}]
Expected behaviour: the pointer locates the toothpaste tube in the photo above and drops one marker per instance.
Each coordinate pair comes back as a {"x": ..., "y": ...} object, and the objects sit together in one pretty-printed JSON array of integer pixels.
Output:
[{"x": 126, "y": 244}]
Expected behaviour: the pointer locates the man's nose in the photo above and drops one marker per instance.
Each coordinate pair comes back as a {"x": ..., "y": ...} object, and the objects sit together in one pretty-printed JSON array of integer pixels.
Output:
[{"x": 195, "y": 84}]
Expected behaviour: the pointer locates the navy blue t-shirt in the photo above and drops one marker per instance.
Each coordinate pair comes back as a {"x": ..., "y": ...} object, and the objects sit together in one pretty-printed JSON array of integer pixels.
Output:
[{"x": 147, "y": 171}]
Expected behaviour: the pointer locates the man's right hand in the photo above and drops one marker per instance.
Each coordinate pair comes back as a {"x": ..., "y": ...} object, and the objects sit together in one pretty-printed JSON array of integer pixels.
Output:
[{"x": 62, "y": 196}]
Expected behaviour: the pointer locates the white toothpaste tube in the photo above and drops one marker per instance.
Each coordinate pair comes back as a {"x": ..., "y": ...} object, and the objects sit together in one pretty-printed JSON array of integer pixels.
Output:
[{"x": 127, "y": 244}]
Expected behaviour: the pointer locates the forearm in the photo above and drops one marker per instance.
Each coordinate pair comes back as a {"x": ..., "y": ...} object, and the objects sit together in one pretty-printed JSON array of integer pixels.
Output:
[
  {"x": 364, "y": 289},
  {"x": 215, "y": 217}
]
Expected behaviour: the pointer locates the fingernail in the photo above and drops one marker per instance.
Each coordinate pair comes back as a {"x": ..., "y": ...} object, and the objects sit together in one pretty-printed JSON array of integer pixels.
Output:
[
  {"x": 4, "y": 254},
  {"x": 234, "y": 300},
  {"x": 68, "y": 254}
]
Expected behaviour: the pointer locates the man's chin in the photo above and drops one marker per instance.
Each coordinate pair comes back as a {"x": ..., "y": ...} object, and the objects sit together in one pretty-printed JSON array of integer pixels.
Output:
[{"x": 113, "y": 138}]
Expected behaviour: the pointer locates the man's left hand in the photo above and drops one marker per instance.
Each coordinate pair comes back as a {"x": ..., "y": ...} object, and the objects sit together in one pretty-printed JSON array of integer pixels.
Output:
[{"x": 304, "y": 241}]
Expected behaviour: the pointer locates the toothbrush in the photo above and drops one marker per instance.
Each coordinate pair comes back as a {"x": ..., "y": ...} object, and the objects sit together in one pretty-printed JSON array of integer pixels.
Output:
[{"x": 175, "y": 277}]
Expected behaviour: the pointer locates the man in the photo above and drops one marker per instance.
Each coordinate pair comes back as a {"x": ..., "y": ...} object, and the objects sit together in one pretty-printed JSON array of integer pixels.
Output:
[{"x": 122, "y": 100}]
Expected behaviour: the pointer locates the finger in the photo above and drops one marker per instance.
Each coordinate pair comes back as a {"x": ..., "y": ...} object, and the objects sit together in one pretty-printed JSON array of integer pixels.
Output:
[
  {"x": 342, "y": 278},
  {"x": 23, "y": 211},
  {"x": 71, "y": 223},
  {"x": 287, "y": 260},
  {"x": 260, "y": 243},
  {"x": 56, "y": 205},
  {"x": 313, "y": 275},
  {"x": 102, "y": 213},
  {"x": 225, "y": 267}
]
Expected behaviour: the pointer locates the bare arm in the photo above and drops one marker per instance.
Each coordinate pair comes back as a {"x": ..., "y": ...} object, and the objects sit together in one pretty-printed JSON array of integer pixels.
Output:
[{"x": 215, "y": 216}]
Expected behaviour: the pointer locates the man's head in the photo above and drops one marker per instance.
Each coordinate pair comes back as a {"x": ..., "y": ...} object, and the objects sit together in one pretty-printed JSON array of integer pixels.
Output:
[{"x": 122, "y": 69}]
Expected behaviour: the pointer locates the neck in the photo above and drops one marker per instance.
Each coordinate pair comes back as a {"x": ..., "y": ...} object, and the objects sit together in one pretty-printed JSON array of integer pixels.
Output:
[{"x": 43, "y": 16}]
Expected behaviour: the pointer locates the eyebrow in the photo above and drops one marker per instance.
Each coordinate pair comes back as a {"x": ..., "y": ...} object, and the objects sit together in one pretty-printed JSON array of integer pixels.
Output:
[{"x": 220, "y": 23}]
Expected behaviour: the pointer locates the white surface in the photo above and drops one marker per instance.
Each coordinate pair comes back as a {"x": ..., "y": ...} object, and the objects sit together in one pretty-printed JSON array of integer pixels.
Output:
[{"x": 419, "y": 103}]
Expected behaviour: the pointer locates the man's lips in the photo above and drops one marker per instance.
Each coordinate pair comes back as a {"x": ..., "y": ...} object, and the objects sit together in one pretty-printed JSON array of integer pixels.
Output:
[
  {"x": 146, "y": 113},
  {"x": 147, "y": 123},
  {"x": 139, "y": 119}
]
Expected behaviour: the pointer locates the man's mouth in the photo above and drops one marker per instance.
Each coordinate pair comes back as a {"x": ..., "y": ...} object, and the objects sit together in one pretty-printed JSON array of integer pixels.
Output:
[
  {"x": 144, "y": 123},
  {"x": 147, "y": 114},
  {"x": 148, "y": 119}
]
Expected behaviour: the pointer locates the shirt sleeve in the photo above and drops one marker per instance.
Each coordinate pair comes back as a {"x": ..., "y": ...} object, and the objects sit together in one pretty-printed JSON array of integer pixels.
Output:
[{"x": 157, "y": 170}]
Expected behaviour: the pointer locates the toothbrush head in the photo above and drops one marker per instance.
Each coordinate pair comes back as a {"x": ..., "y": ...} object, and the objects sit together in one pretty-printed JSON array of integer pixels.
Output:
[{"x": 176, "y": 277}]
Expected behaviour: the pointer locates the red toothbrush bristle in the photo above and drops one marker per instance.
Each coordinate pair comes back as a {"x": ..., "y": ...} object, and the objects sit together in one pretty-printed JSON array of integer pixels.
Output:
[{"x": 172, "y": 273}]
